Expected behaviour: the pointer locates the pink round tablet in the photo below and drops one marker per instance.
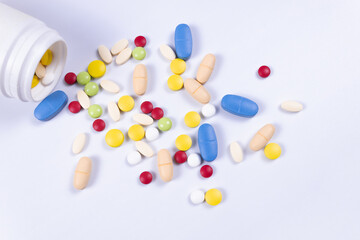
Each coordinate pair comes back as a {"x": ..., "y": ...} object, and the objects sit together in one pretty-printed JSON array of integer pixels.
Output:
[
  {"x": 206, "y": 171},
  {"x": 74, "y": 107},
  {"x": 140, "y": 41},
  {"x": 99, "y": 125},
  {"x": 264, "y": 71},
  {"x": 146, "y": 177}
]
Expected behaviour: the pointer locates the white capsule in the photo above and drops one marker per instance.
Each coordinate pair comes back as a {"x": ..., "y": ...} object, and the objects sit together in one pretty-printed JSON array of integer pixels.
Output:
[
  {"x": 124, "y": 56},
  {"x": 105, "y": 54},
  {"x": 114, "y": 111},
  {"x": 143, "y": 119},
  {"x": 292, "y": 106},
  {"x": 236, "y": 152},
  {"x": 133, "y": 157},
  {"x": 79, "y": 143},
  {"x": 197, "y": 197},
  {"x": 194, "y": 160},
  {"x": 110, "y": 86},
  {"x": 167, "y": 52},
  {"x": 208, "y": 110},
  {"x": 119, "y": 46},
  {"x": 151, "y": 133},
  {"x": 144, "y": 148}
]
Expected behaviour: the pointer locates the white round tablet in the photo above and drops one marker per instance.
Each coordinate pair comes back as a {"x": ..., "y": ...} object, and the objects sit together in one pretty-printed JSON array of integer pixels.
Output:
[
  {"x": 197, "y": 197},
  {"x": 208, "y": 110},
  {"x": 151, "y": 133},
  {"x": 194, "y": 160},
  {"x": 133, "y": 157}
]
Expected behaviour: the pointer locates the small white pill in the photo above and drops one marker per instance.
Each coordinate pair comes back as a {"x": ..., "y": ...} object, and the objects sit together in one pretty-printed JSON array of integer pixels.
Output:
[
  {"x": 236, "y": 152},
  {"x": 194, "y": 160},
  {"x": 133, "y": 157},
  {"x": 208, "y": 110},
  {"x": 110, "y": 86},
  {"x": 105, "y": 54},
  {"x": 119, "y": 46},
  {"x": 124, "y": 56},
  {"x": 143, "y": 119},
  {"x": 151, "y": 133},
  {"x": 144, "y": 148},
  {"x": 292, "y": 106},
  {"x": 114, "y": 111},
  {"x": 83, "y": 99},
  {"x": 167, "y": 52},
  {"x": 79, "y": 143},
  {"x": 197, "y": 197}
]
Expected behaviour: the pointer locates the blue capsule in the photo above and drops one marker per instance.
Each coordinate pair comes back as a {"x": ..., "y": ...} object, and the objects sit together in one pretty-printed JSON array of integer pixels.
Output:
[
  {"x": 240, "y": 106},
  {"x": 207, "y": 142},
  {"x": 51, "y": 106},
  {"x": 183, "y": 41}
]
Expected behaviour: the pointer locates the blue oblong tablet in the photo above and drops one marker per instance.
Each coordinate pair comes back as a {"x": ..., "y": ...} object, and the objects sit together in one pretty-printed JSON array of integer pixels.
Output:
[
  {"x": 207, "y": 142},
  {"x": 183, "y": 41},
  {"x": 240, "y": 106},
  {"x": 51, "y": 106}
]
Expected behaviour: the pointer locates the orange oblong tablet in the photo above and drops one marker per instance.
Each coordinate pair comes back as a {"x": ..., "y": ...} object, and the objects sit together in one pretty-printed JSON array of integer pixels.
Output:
[
  {"x": 82, "y": 173},
  {"x": 165, "y": 165},
  {"x": 140, "y": 79},
  {"x": 205, "y": 69},
  {"x": 197, "y": 91},
  {"x": 262, "y": 137}
]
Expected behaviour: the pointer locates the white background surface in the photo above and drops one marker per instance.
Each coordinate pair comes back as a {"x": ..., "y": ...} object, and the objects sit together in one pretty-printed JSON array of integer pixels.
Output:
[{"x": 310, "y": 192}]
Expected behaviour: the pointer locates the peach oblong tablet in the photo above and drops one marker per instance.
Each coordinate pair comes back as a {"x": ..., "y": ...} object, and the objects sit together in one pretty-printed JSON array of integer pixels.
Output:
[
  {"x": 82, "y": 173},
  {"x": 140, "y": 79},
  {"x": 205, "y": 69},
  {"x": 105, "y": 54},
  {"x": 165, "y": 165},
  {"x": 197, "y": 91},
  {"x": 262, "y": 137}
]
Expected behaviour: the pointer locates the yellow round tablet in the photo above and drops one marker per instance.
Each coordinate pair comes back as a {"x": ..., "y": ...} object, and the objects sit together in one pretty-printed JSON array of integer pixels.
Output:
[
  {"x": 272, "y": 151},
  {"x": 47, "y": 58},
  {"x": 35, "y": 81},
  {"x": 136, "y": 132},
  {"x": 175, "y": 82},
  {"x": 114, "y": 138},
  {"x": 178, "y": 66},
  {"x": 183, "y": 142},
  {"x": 213, "y": 197},
  {"x": 192, "y": 119},
  {"x": 126, "y": 103},
  {"x": 97, "y": 68}
]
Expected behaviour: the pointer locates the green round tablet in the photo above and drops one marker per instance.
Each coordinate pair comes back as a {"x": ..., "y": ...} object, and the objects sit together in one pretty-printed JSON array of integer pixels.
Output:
[
  {"x": 91, "y": 89},
  {"x": 95, "y": 111},
  {"x": 83, "y": 78},
  {"x": 164, "y": 124},
  {"x": 139, "y": 53}
]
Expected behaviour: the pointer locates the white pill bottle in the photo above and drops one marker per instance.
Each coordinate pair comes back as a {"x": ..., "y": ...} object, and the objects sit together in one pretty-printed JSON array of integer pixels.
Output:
[{"x": 23, "y": 41}]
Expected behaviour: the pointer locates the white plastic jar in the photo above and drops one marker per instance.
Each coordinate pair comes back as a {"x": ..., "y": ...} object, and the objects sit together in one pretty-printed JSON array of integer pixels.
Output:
[{"x": 24, "y": 40}]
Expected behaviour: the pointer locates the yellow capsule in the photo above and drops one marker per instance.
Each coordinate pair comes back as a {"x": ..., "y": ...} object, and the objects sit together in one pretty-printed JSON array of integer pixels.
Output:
[
  {"x": 175, "y": 82},
  {"x": 47, "y": 58},
  {"x": 35, "y": 81},
  {"x": 192, "y": 119},
  {"x": 126, "y": 103},
  {"x": 272, "y": 151},
  {"x": 136, "y": 132},
  {"x": 178, "y": 66},
  {"x": 114, "y": 138},
  {"x": 183, "y": 142},
  {"x": 213, "y": 197},
  {"x": 97, "y": 68}
]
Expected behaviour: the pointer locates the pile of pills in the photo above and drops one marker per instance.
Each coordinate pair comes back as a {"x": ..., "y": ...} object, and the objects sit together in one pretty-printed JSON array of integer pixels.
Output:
[{"x": 40, "y": 71}]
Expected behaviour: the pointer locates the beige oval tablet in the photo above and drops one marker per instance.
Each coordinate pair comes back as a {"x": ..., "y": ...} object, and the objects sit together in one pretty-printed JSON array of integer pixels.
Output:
[
  {"x": 140, "y": 79},
  {"x": 110, "y": 86},
  {"x": 144, "y": 148},
  {"x": 83, "y": 99},
  {"x": 236, "y": 152},
  {"x": 79, "y": 143},
  {"x": 114, "y": 111},
  {"x": 82, "y": 173},
  {"x": 40, "y": 71},
  {"x": 205, "y": 69},
  {"x": 197, "y": 91},
  {"x": 124, "y": 56},
  {"x": 167, "y": 52},
  {"x": 262, "y": 137},
  {"x": 292, "y": 106},
  {"x": 165, "y": 165},
  {"x": 143, "y": 119},
  {"x": 119, "y": 46},
  {"x": 105, "y": 54}
]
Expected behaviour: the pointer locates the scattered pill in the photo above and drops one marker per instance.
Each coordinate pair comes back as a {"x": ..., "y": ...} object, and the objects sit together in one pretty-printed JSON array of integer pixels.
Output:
[
  {"x": 99, "y": 125},
  {"x": 143, "y": 119},
  {"x": 145, "y": 177},
  {"x": 192, "y": 119},
  {"x": 119, "y": 46},
  {"x": 47, "y": 58},
  {"x": 35, "y": 81},
  {"x": 97, "y": 68},
  {"x": 262, "y": 137},
  {"x": 236, "y": 152},
  {"x": 207, "y": 142},
  {"x": 47, "y": 80},
  {"x": 144, "y": 148},
  {"x": 213, "y": 197},
  {"x": 164, "y": 124},
  {"x": 239, "y": 106},
  {"x": 124, "y": 56},
  {"x": 140, "y": 79},
  {"x": 180, "y": 157},
  {"x": 82, "y": 173},
  {"x": 105, "y": 54},
  {"x": 83, "y": 78},
  {"x": 178, "y": 66},
  {"x": 208, "y": 110},
  {"x": 165, "y": 165},
  {"x": 146, "y": 107},
  {"x": 110, "y": 86},
  {"x": 114, "y": 138},
  {"x": 206, "y": 171},
  {"x": 183, "y": 41},
  {"x": 91, "y": 89},
  {"x": 74, "y": 107},
  {"x": 157, "y": 113},
  {"x": 139, "y": 53},
  {"x": 194, "y": 160},
  {"x": 50, "y": 106},
  {"x": 167, "y": 52},
  {"x": 264, "y": 71},
  {"x": 205, "y": 69},
  {"x": 136, "y": 132},
  {"x": 140, "y": 41},
  {"x": 152, "y": 133},
  {"x": 70, "y": 78},
  {"x": 126, "y": 103},
  {"x": 197, "y": 197},
  {"x": 134, "y": 157},
  {"x": 197, "y": 91},
  {"x": 83, "y": 99},
  {"x": 40, "y": 71},
  {"x": 175, "y": 82},
  {"x": 183, "y": 142},
  {"x": 113, "y": 111},
  {"x": 272, "y": 151},
  {"x": 292, "y": 106},
  {"x": 95, "y": 111},
  {"x": 79, "y": 143}
]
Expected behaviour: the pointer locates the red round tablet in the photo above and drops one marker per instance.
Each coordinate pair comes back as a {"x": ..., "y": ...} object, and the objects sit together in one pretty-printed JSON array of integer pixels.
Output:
[
  {"x": 146, "y": 177},
  {"x": 74, "y": 107},
  {"x": 99, "y": 125},
  {"x": 264, "y": 71},
  {"x": 206, "y": 171},
  {"x": 70, "y": 78},
  {"x": 157, "y": 113},
  {"x": 180, "y": 157},
  {"x": 140, "y": 41},
  {"x": 146, "y": 107}
]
